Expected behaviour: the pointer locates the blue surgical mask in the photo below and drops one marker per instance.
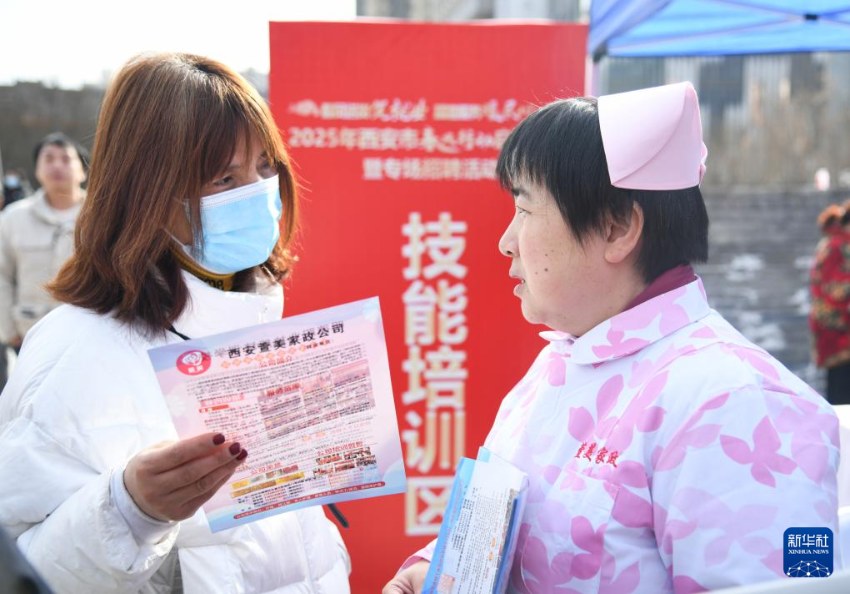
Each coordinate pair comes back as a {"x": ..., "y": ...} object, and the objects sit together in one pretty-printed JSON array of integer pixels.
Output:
[{"x": 240, "y": 227}]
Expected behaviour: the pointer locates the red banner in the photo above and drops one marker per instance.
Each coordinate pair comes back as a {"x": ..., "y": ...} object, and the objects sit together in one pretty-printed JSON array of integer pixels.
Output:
[{"x": 395, "y": 129}]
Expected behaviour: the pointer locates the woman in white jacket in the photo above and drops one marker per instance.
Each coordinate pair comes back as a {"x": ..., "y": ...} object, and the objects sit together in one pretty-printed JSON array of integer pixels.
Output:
[{"x": 93, "y": 483}]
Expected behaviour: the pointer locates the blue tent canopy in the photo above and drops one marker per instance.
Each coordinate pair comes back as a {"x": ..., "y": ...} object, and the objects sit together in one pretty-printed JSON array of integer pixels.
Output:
[{"x": 635, "y": 28}]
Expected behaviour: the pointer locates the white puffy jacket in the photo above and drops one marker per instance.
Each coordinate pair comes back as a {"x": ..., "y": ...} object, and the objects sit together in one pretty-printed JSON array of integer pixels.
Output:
[{"x": 81, "y": 402}]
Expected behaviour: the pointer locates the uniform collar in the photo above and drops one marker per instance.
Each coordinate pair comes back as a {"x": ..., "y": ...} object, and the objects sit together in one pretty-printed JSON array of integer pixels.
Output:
[{"x": 636, "y": 328}]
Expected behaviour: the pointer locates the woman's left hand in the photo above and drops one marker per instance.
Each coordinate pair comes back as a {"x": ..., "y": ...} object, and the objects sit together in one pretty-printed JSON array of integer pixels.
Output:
[{"x": 170, "y": 481}]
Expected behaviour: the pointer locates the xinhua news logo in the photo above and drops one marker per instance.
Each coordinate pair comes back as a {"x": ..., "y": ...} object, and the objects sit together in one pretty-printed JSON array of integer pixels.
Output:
[{"x": 808, "y": 552}]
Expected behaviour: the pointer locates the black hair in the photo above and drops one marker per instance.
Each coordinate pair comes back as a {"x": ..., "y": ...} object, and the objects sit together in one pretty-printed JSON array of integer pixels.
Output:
[
  {"x": 61, "y": 140},
  {"x": 559, "y": 147}
]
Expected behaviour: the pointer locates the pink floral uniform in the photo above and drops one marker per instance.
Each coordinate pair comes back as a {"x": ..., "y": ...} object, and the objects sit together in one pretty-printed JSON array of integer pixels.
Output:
[{"x": 665, "y": 453}]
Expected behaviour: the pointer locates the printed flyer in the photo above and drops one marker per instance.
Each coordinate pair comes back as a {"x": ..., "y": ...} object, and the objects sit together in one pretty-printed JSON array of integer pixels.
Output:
[{"x": 309, "y": 397}]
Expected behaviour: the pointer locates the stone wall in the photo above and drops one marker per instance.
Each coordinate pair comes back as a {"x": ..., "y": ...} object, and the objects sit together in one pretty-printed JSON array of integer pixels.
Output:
[{"x": 761, "y": 248}]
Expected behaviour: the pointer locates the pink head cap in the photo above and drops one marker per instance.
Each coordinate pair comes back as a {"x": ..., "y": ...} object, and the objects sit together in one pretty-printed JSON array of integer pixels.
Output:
[{"x": 653, "y": 138}]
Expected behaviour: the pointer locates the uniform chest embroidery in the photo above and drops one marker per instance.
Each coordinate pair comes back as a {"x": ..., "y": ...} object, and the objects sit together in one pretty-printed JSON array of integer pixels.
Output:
[{"x": 591, "y": 451}]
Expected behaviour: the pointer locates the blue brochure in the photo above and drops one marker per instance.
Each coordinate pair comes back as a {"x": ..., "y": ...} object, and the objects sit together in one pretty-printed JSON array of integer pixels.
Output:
[{"x": 477, "y": 539}]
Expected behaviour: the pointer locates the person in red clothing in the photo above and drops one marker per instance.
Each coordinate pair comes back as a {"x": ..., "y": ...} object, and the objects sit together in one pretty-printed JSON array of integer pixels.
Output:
[{"x": 829, "y": 316}]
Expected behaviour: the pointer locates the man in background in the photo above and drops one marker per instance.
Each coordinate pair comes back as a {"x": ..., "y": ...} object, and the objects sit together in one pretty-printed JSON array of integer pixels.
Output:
[{"x": 37, "y": 236}]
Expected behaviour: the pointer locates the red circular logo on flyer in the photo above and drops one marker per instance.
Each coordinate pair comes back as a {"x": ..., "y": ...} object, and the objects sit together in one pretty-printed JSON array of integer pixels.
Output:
[{"x": 193, "y": 362}]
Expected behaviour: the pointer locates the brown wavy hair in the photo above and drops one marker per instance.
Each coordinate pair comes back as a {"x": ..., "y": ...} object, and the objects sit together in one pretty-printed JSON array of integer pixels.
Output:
[{"x": 169, "y": 124}]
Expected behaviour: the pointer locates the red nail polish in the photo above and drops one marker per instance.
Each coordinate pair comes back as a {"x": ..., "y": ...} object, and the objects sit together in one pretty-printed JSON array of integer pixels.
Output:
[
  {"x": 234, "y": 448},
  {"x": 242, "y": 455},
  {"x": 218, "y": 439}
]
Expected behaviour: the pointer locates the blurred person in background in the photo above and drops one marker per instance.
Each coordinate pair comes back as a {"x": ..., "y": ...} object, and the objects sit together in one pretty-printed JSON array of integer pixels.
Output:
[
  {"x": 829, "y": 313},
  {"x": 37, "y": 237},
  {"x": 185, "y": 232},
  {"x": 15, "y": 187}
]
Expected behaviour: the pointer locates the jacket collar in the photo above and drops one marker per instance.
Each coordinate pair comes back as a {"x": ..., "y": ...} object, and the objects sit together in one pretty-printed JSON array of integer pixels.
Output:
[
  {"x": 636, "y": 328},
  {"x": 42, "y": 209},
  {"x": 211, "y": 311}
]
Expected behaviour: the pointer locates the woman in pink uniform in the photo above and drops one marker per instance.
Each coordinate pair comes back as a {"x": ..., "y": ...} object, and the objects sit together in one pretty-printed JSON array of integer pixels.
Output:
[{"x": 665, "y": 451}]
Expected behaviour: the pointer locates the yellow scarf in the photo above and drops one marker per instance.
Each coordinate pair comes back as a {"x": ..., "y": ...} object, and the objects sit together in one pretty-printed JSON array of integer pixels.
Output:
[{"x": 222, "y": 282}]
